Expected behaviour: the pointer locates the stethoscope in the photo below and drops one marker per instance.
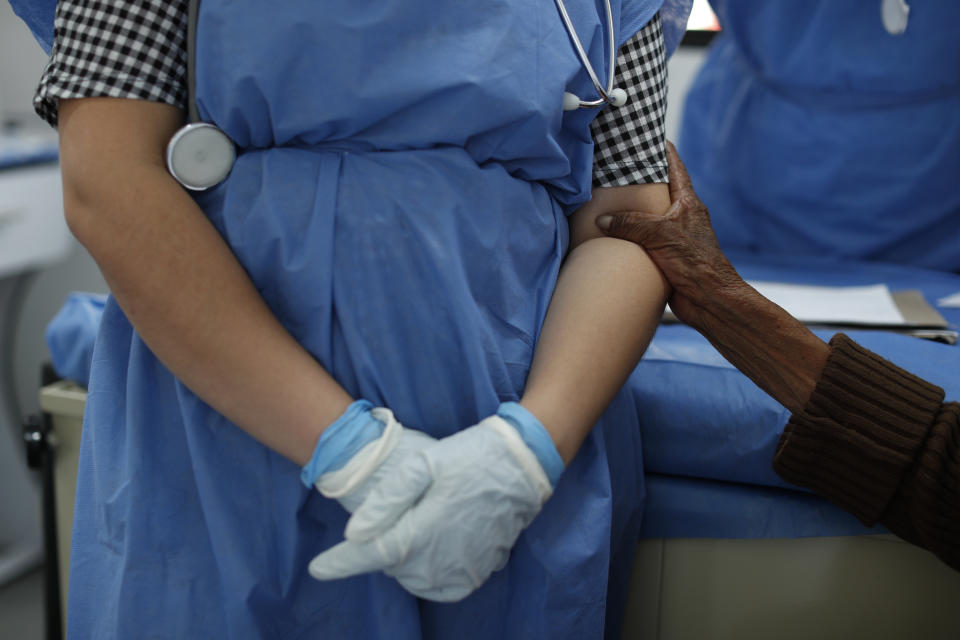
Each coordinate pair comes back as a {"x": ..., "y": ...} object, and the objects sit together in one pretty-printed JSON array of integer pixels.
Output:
[
  {"x": 609, "y": 95},
  {"x": 200, "y": 155}
]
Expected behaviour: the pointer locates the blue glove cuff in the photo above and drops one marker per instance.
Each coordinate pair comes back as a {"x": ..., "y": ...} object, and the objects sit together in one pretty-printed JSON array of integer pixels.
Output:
[
  {"x": 342, "y": 440},
  {"x": 535, "y": 436}
]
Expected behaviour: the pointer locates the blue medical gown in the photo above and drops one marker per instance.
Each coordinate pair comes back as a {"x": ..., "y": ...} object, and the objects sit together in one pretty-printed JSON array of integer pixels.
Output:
[
  {"x": 810, "y": 130},
  {"x": 399, "y": 201}
]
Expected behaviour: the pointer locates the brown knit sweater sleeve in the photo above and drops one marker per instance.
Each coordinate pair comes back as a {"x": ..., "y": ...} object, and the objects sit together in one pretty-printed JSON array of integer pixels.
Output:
[{"x": 880, "y": 443}]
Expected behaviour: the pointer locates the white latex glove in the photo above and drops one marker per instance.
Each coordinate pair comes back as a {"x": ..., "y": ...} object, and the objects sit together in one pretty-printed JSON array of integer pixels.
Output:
[
  {"x": 351, "y": 484},
  {"x": 447, "y": 517}
]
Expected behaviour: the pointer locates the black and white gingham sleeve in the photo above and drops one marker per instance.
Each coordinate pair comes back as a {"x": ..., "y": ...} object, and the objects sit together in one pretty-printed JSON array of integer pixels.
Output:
[
  {"x": 115, "y": 48},
  {"x": 630, "y": 141}
]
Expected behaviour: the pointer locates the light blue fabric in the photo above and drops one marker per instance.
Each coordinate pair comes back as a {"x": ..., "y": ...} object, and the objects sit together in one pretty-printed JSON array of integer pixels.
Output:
[
  {"x": 811, "y": 130},
  {"x": 38, "y": 15},
  {"x": 535, "y": 436},
  {"x": 673, "y": 19},
  {"x": 710, "y": 434},
  {"x": 398, "y": 199},
  {"x": 71, "y": 334},
  {"x": 341, "y": 440}
]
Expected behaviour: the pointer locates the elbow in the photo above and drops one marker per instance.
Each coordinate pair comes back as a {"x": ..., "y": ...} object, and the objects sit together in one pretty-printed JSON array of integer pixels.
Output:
[
  {"x": 86, "y": 193},
  {"x": 654, "y": 197},
  {"x": 111, "y": 160},
  {"x": 99, "y": 217},
  {"x": 613, "y": 249},
  {"x": 583, "y": 228},
  {"x": 76, "y": 215},
  {"x": 86, "y": 215},
  {"x": 102, "y": 202}
]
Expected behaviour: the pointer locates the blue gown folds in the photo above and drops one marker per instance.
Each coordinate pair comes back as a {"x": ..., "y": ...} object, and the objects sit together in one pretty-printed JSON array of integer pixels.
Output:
[
  {"x": 399, "y": 200},
  {"x": 811, "y": 130},
  {"x": 71, "y": 334}
]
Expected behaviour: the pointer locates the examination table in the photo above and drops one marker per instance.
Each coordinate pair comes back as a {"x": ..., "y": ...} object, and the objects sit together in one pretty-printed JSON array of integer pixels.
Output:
[{"x": 729, "y": 551}]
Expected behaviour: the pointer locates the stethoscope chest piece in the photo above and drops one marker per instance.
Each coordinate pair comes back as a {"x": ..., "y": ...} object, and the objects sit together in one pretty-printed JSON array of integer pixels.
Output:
[{"x": 200, "y": 156}]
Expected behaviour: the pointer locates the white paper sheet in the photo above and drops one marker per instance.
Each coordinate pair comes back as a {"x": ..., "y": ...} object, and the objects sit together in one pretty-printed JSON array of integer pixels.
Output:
[
  {"x": 866, "y": 305},
  {"x": 951, "y": 301}
]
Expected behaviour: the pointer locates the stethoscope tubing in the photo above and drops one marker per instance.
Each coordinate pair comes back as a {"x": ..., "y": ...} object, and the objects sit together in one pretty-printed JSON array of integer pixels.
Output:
[
  {"x": 193, "y": 164},
  {"x": 585, "y": 61},
  {"x": 193, "y": 11}
]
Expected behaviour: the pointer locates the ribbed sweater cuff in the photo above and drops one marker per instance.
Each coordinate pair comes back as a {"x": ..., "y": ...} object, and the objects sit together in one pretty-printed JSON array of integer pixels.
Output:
[{"x": 859, "y": 432}]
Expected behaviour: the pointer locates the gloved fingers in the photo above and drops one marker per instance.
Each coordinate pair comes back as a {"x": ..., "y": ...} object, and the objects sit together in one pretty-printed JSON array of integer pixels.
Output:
[
  {"x": 349, "y": 559},
  {"x": 390, "y": 499},
  {"x": 427, "y": 576},
  {"x": 387, "y": 552},
  {"x": 440, "y": 582}
]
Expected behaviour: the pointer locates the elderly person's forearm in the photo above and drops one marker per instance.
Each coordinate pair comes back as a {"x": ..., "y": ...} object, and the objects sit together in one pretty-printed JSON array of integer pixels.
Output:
[{"x": 766, "y": 343}]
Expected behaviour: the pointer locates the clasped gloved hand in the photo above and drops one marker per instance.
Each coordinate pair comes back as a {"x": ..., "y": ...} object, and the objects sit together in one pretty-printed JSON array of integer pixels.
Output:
[
  {"x": 446, "y": 518},
  {"x": 357, "y": 450}
]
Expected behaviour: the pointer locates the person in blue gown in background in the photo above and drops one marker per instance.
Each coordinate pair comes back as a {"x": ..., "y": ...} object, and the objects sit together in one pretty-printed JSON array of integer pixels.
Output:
[{"x": 831, "y": 129}]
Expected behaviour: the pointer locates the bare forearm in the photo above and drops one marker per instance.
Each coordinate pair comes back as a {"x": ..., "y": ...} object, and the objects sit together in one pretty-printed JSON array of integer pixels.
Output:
[
  {"x": 195, "y": 306},
  {"x": 604, "y": 311},
  {"x": 206, "y": 322},
  {"x": 606, "y": 307}
]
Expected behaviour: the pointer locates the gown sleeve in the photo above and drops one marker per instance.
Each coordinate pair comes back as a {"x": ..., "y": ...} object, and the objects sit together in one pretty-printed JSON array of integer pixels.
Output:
[
  {"x": 115, "y": 48},
  {"x": 630, "y": 141},
  {"x": 880, "y": 443}
]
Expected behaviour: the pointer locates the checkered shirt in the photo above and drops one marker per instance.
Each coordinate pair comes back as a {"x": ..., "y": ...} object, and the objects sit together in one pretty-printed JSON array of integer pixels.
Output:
[
  {"x": 137, "y": 49},
  {"x": 630, "y": 141}
]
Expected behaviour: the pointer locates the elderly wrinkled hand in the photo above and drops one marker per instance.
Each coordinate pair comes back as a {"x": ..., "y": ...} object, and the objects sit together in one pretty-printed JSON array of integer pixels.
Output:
[
  {"x": 681, "y": 242},
  {"x": 447, "y": 517}
]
